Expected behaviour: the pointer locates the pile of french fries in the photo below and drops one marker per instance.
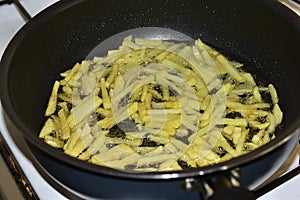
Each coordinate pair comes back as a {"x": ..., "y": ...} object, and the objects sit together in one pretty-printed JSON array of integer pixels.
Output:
[{"x": 153, "y": 105}]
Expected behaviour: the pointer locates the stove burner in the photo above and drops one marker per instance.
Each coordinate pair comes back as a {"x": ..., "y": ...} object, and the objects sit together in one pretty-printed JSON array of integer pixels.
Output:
[
  {"x": 25, "y": 15},
  {"x": 16, "y": 171},
  {"x": 277, "y": 182}
]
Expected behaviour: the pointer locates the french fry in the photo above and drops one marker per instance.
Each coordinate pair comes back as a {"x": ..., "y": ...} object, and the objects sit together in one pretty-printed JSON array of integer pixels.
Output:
[
  {"x": 273, "y": 94},
  {"x": 53, "y": 99},
  {"x": 118, "y": 152},
  {"x": 105, "y": 97},
  {"x": 65, "y": 129},
  {"x": 144, "y": 161},
  {"x": 126, "y": 161},
  {"x": 187, "y": 102},
  {"x": 48, "y": 128},
  {"x": 229, "y": 68},
  {"x": 53, "y": 141},
  {"x": 277, "y": 114}
]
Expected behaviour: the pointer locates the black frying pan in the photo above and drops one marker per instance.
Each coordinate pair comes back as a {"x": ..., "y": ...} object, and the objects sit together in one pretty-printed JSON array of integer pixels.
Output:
[{"x": 263, "y": 35}]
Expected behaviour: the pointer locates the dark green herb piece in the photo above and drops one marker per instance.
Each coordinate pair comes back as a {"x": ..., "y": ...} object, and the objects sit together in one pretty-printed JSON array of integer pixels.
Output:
[
  {"x": 183, "y": 165},
  {"x": 234, "y": 115},
  {"x": 244, "y": 97},
  {"x": 115, "y": 131},
  {"x": 148, "y": 143}
]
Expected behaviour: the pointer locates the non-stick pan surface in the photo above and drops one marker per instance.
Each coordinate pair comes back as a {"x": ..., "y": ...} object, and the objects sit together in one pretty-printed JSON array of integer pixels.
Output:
[{"x": 262, "y": 35}]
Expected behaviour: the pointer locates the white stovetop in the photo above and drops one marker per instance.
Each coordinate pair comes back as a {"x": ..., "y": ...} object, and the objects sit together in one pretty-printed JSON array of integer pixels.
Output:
[{"x": 10, "y": 23}]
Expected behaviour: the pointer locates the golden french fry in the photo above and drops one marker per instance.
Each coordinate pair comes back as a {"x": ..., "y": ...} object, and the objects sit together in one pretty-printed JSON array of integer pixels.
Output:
[
  {"x": 187, "y": 103},
  {"x": 53, "y": 99}
]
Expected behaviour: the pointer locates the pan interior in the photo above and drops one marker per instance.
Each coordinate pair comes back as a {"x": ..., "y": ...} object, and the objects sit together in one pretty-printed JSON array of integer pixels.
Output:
[{"x": 149, "y": 33}]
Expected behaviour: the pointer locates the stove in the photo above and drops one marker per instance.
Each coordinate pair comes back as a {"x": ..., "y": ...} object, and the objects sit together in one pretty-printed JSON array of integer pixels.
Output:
[{"x": 21, "y": 178}]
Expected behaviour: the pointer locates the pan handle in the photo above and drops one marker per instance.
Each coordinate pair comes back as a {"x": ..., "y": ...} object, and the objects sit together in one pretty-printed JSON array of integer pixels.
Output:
[
  {"x": 221, "y": 186},
  {"x": 227, "y": 187}
]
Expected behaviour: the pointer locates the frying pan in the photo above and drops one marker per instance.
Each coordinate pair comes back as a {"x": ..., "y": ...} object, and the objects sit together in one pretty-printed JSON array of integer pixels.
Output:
[{"x": 263, "y": 35}]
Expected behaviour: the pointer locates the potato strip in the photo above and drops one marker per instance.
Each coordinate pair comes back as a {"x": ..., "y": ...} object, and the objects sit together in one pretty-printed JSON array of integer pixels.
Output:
[{"x": 153, "y": 105}]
